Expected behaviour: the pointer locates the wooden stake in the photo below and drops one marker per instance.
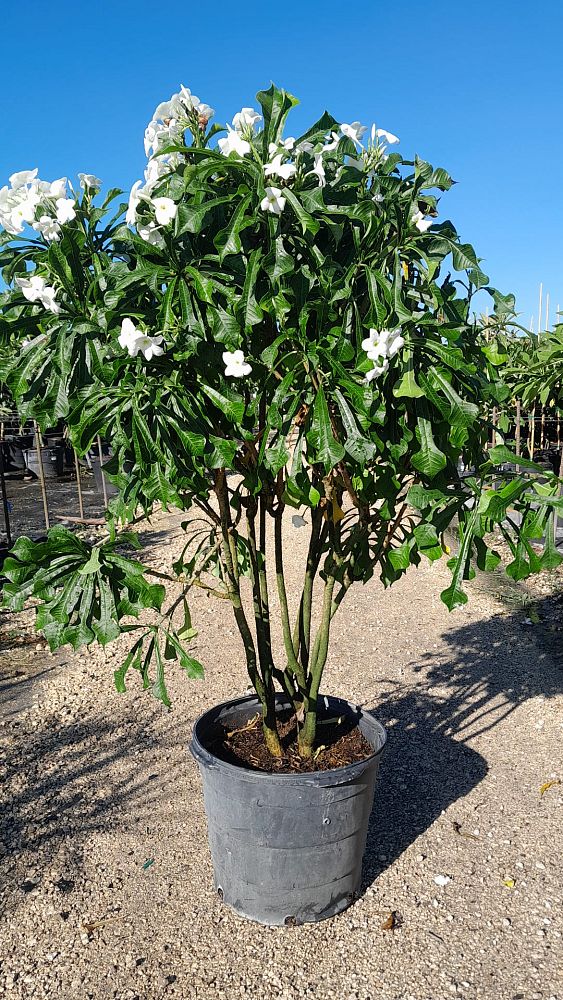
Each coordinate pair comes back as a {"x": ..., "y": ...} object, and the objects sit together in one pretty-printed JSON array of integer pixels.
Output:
[
  {"x": 518, "y": 413},
  {"x": 555, "y": 515},
  {"x": 5, "y": 504},
  {"x": 41, "y": 475},
  {"x": 104, "y": 489},
  {"x": 78, "y": 484},
  {"x": 540, "y": 308}
]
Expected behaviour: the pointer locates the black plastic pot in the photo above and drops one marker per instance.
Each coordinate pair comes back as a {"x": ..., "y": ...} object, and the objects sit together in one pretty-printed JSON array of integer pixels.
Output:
[
  {"x": 52, "y": 461},
  {"x": 286, "y": 848}
]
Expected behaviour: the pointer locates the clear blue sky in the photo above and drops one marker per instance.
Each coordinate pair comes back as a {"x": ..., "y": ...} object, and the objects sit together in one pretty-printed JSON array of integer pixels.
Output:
[{"x": 472, "y": 86}]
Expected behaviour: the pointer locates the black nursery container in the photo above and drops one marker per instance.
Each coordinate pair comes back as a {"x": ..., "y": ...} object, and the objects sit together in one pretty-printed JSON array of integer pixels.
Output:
[{"x": 286, "y": 848}]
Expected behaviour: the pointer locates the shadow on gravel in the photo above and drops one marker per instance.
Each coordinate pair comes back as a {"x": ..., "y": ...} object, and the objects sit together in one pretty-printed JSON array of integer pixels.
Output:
[
  {"x": 62, "y": 783},
  {"x": 494, "y": 666}
]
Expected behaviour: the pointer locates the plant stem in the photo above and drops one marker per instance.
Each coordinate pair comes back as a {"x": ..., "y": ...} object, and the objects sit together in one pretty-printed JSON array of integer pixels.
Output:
[
  {"x": 303, "y": 626},
  {"x": 308, "y": 731},
  {"x": 229, "y": 545},
  {"x": 293, "y": 664},
  {"x": 263, "y": 637}
]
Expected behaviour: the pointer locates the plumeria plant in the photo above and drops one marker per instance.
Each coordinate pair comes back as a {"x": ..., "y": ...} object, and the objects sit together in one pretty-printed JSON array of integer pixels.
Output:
[{"x": 274, "y": 324}]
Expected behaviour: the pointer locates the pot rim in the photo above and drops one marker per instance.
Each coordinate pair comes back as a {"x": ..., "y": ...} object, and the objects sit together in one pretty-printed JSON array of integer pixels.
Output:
[{"x": 345, "y": 773}]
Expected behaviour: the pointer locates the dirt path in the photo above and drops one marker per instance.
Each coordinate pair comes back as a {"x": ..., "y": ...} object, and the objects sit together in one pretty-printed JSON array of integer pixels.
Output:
[{"x": 105, "y": 871}]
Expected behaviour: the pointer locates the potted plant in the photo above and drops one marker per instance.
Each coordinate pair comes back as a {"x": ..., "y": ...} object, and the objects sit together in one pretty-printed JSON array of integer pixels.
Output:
[{"x": 272, "y": 341}]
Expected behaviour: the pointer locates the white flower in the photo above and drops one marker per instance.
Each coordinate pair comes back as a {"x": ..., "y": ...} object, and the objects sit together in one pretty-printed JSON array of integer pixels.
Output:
[
  {"x": 377, "y": 370},
  {"x": 246, "y": 118},
  {"x": 135, "y": 342},
  {"x": 26, "y": 209},
  {"x": 134, "y": 199},
  {"x": 420, "y": 222},
  {"x": 233, "y": 143},
  {"x": 48, "y": 228},
  {"x": 57, "y": 189},
  {"x": 170, "y": 110},
  {"x": 319, "y": 169},
  {"x": 235, "y": 365},
  {"x": 284, "y": 170},
  {"x": 22, "y": 177},
  {"x": 205, "y": 111},
  {"x": 189, "y": 100},
  {"x": 151, "y": 133},
  {"x": 154, "y": 170},
  {"x": 165, "y": 210},
  {"x": 157, "y": 134},
  {"x": 383, "y": 344},
  {"x": 298, "y": 521},
  {"x": 286, "y": 144},
  {"x": 381, "y": 133},
  {"x": 330, "y": 146},
  {"x": 15, "y": 221},
  {"x": 305, "y": 147},
  {"x": 150, "y": 234},
  {"x": 273, "y": 202},
  {"x": 355, "y": 131},
  {"x": 35, "y": 289},
  {"x": 65, "y": 209},
  {"x": 89, "y": 181}
]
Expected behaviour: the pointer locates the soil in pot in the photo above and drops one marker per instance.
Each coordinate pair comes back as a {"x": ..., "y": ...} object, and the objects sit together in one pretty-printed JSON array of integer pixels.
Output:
[{"x": 339, "y": 743}]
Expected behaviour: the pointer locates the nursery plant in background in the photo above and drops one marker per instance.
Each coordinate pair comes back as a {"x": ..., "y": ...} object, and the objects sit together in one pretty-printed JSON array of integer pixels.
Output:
[{"x": 277, "y": 323}]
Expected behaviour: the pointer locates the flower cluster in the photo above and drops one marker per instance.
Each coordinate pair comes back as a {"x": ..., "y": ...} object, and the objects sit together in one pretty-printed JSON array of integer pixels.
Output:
[
  {"x": 36, "y": 289},
  {"x": 380, "y": 347},
  {"x": 44, "y": 205},
  {"x": 172, "y": 117},
  {"x": 239, "y": 134},
  {"x": 168, "y": 124},
  {"x": 135, "y": 342}
]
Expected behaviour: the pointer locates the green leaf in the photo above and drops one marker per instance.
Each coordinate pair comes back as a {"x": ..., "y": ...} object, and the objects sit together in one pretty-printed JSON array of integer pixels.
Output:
[
  {"x": 428, "y": 459},
  {"x": 93, "y": 564},
  {"x": 501, "y": 455},
  {"x": 328, "y": 451},
  {"x": 308, "y": 223},
  {"x": 408, "y": 386},
  {"x": 158, "y": 689},
  {"x": 132, "y": 659},
  {"x": 276, "y": 105},
  {"x": 358, "y": 446},
  {"x": 233, "y": 409},
  {"x": 400, "y": 556},
  {"x": 454, "y": 595},
  {"x": 462, "y": 413}
]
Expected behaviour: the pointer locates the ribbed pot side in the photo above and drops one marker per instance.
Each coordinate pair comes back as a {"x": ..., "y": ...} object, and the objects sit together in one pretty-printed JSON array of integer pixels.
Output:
[{"x": 286, "y": 848}]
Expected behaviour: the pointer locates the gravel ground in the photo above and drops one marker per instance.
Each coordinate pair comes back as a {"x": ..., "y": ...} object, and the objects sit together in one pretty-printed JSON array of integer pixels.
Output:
[{"x": 105, "y": 872}]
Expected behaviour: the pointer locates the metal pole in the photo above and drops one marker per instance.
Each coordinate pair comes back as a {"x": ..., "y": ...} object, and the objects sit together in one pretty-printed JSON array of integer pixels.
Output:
[
  {"x": 78, "y": 484},
  {"x": 41, "y": 475},
  {"x": 5, "y": 499},
  {"x": 104, "y": 488}
]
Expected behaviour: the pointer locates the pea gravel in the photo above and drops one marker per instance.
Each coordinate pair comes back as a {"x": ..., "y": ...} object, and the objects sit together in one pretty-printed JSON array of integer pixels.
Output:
[{"x": 105, "y": 873}]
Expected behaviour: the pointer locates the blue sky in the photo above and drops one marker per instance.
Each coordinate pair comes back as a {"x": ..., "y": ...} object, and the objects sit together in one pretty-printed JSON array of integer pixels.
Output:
[{"x": 473, "y": 87}]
